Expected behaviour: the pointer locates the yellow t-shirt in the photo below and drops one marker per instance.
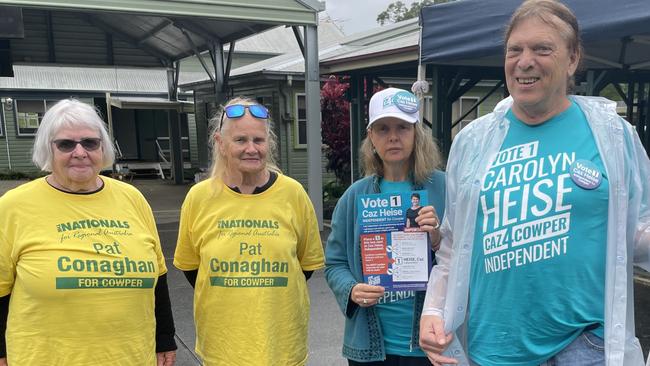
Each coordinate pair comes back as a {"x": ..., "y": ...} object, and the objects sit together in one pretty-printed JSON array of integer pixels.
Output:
[
  {"x": 251, "y": 305},
  {"x": 81, "y": 270}
]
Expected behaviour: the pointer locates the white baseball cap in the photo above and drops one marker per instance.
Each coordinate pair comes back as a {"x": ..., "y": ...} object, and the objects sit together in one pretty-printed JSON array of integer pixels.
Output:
[{"x": 393, "y": 102}]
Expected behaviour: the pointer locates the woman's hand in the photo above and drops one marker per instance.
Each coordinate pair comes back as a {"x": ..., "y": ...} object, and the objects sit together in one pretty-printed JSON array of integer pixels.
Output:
[
  {"x": 366, "y": 295},
  {"x": 429, "y": 222},
  {"x": 163, "y": 358},
  {"x": 434, "y": 341}
]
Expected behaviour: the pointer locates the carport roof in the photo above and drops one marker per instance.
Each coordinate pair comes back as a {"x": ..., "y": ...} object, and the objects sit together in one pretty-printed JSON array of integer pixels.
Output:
[{"x": 174, "y": 29}]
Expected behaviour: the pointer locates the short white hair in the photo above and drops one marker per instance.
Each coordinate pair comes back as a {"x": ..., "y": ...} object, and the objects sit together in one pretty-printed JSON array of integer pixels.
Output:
[{"x": 69, "y": 113}]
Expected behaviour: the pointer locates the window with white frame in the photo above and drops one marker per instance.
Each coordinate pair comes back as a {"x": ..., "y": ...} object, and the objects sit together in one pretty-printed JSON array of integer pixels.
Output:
[
  {"x": 300, "y": 125},
  {"x": 29, "y": 114},
  {"x": 459, "y": 108}
]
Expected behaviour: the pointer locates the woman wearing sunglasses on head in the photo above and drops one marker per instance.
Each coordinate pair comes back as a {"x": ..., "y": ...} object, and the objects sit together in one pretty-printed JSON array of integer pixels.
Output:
[
  {"x": 399, "y": 155},
  {"x": 82, "y": 275},
  {"x": 248, "y": 241}
]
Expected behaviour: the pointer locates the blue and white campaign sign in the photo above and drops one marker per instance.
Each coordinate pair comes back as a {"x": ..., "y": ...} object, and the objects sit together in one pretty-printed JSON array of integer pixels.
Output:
[{"x": 396, "y": 254}]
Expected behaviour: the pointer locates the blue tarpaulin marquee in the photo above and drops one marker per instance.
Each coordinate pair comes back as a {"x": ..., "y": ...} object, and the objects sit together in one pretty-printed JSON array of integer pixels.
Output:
[{"x": 616, "y": 34}]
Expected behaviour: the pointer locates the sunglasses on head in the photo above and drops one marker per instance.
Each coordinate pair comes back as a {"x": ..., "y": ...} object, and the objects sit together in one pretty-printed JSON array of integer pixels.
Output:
[
  {"x": 67, "y": 145},
  {"x": 238, "y": 111}
]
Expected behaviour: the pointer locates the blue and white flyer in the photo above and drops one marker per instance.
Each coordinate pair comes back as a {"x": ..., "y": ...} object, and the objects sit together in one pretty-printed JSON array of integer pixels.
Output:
[{"x": 396, "y": 254}]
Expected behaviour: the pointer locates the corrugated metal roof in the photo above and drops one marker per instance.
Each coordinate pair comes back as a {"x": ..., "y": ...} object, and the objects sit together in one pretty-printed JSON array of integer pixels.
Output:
[
  {"x": 148, "y": 80},
  {"x": 281, "y": 40},
  {"x": 91, "y": 79},
  {"x": 399, "y": 35},
  {"x": 290, "y": 63},
  {"x": 403, "y": 41},
  {"x": 274, "y": 42},
  {"x": 329, "y": 36},
  {"x": 378, "y": 40}
]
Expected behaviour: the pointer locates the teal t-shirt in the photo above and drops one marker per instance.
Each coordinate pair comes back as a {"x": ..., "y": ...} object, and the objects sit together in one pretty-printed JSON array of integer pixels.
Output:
[
  {"x": 538, "y": 263},
  {"x": 395, "y": 308}
]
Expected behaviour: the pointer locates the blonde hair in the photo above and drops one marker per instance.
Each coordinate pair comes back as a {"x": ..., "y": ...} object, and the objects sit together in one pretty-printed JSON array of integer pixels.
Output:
[
  {"x": 219, "y": 161},
  {"x": 424, "y": 160}
]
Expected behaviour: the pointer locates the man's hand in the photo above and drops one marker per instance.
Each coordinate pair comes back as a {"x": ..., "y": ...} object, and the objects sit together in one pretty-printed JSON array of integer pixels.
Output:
[{"x": 434, "y": 341}]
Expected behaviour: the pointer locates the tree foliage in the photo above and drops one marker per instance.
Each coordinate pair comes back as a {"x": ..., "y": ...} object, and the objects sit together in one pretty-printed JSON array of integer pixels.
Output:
[
  {"x": 398, "y": 11},
  {"x": 335, "y": 127}
]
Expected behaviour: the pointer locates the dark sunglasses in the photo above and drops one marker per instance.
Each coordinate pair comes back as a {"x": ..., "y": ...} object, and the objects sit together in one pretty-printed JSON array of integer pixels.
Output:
[
  {"x": 67, "y": 145},
  {"x": 238, "y": 111}
]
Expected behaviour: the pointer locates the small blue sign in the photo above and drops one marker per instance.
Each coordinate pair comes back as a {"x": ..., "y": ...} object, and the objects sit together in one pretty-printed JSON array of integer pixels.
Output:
[{"x": 586, "y": 174}]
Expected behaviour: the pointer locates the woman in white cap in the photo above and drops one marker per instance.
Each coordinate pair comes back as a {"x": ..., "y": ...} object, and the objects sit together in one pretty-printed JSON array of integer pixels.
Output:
[{"x": 399, "y": 155}]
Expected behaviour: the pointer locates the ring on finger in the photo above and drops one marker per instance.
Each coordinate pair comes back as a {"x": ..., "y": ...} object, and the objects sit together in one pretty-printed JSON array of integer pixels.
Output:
[
  {"x": 437, "y": 225},
  {"x": 365, "y": 301}
]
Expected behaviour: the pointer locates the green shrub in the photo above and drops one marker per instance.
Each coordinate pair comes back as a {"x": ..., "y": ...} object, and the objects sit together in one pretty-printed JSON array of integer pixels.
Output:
[{"x": 332, "y": 191}]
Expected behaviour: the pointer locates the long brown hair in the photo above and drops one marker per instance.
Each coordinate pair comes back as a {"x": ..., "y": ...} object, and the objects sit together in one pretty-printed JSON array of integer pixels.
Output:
[{"x": 424, "y": 159}]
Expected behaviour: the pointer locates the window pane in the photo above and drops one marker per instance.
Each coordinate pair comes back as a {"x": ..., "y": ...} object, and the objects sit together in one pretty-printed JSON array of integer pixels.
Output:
[
  {"x": 466, "y": 104},
  {"x": 30, "y": 106},
  {"x": 28, "y": 120},
  {"x": 302, "y": 107},
  {"x": 301, "y": 120},
  {"x": 265, "y": 101},
  {"x": 29, "y": 114},
  {"x": 302, "y": 132}
]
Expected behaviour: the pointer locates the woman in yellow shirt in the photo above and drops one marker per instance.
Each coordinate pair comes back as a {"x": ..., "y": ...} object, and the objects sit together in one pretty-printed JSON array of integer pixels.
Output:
[
  {"x": 82, "y": 275},
  {"x": 248, "y": 241}
]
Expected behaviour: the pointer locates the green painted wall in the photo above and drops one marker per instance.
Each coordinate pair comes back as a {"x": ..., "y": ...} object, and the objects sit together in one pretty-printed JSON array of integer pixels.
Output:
[{"x": 75, "y": 41}]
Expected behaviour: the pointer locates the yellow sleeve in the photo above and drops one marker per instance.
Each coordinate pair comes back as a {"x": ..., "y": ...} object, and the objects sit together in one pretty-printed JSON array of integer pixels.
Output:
[
  {"x": 310, "y": 247},
  {"x": 186, "y": 256},
  {"x": 7, "y": 266}
]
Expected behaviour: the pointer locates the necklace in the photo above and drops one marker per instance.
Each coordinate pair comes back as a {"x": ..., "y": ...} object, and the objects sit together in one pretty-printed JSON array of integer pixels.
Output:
[
  {"x": 247, "y": 182},
  {"x": 52, "y": 181}
]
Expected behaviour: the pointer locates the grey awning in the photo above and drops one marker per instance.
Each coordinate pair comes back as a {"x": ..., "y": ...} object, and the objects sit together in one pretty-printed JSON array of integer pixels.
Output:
[{"x": 151, "y": 103}]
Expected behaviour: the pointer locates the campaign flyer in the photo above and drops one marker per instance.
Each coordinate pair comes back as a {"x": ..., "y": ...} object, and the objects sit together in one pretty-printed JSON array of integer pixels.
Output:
[{"x": 395, "y": 253}]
